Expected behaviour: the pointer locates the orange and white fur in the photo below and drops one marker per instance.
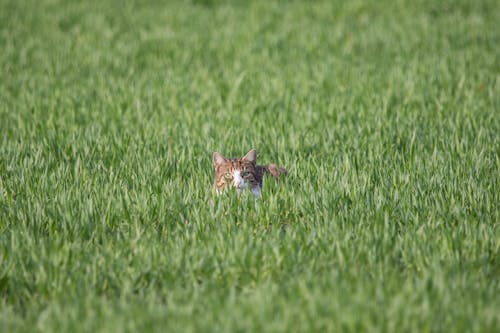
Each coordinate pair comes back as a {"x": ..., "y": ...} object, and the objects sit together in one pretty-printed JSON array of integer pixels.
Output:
[{"x": 242, "y": 173}]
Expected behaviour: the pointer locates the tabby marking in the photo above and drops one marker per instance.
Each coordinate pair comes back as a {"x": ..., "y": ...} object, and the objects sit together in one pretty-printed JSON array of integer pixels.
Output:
[{"x": 242, "y": 173}]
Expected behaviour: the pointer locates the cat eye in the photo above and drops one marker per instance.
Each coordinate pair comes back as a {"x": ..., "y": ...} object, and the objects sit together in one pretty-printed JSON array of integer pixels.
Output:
[
  {"x": 245, "y": 173},
  {"x": 227, "y": 174}
]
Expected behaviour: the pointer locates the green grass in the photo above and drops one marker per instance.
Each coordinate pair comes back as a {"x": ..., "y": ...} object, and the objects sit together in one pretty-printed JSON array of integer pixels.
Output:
[{"x": 386, "y": 113}]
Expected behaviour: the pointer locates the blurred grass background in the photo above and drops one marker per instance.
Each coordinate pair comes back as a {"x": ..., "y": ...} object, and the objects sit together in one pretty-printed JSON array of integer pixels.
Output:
[{"x": 386, "y": 114}]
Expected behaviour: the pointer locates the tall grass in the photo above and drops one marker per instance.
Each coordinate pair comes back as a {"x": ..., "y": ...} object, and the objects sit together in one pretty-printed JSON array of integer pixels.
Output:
[{"x": 386, "y": 114}]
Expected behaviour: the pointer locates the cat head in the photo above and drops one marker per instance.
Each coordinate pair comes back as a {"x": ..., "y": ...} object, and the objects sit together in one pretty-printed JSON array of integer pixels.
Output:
[{"x": 237, "y": 173}]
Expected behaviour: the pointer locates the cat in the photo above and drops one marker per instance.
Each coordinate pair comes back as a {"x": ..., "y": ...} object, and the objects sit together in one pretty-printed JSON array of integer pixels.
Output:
[{"x": 242, "y": 173}]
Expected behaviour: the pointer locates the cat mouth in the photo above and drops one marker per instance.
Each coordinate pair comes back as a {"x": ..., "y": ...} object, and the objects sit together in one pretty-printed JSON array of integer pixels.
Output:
[{"x": 240, "y": 186}]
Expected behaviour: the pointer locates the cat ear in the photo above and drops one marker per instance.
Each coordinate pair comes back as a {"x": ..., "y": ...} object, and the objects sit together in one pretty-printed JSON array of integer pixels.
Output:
[
  {"x": 251, "y": 156},
  {"x": 218, "y": 158}
]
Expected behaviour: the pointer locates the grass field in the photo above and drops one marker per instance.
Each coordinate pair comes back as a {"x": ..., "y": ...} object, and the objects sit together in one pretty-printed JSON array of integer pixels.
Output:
[{"x": 386, "y": 113}]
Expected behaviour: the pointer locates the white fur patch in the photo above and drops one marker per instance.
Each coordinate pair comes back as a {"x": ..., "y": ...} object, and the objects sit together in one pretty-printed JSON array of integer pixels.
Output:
[
  {"x": 257, "y": 192},
  {"x": 240, "y": 184},
  {"x": 238, "y": 181}
]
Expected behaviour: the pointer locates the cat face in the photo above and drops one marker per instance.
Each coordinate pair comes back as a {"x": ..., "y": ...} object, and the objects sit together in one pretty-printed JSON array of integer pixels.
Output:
[{"x": 237, "y": 173}]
